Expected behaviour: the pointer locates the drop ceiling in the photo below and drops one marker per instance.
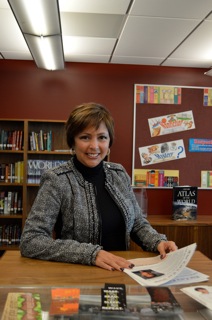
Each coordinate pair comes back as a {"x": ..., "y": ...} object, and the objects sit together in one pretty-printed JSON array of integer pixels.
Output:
[{"x": 142, "y": 32}]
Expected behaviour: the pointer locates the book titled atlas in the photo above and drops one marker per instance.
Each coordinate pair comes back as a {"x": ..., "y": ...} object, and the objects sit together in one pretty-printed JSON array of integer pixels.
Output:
[{"x": 184, "y": 203}]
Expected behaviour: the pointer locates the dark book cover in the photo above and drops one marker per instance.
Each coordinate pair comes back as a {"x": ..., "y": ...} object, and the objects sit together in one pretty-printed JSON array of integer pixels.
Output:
[{"x": 184, "y": 204}]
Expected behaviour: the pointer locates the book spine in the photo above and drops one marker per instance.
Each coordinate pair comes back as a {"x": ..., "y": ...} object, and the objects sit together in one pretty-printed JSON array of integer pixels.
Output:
[
  {"x": 161, "y": 178},
  {"x": 151, "y": 178},
  {"x": 209, "y": 184},
  {"x": 15, "y": 203},
  {"x": 2, "y": 196},
  {"x": 204, "y": 179},
  {"x": 9, "y": 201},
  {"x": 6, "y": 205}
]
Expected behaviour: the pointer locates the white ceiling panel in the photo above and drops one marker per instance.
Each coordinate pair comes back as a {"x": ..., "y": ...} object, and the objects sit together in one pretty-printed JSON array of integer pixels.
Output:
[
  {"x": 11, "y": 38},
  {"x": 87, "y": 58},
  {"x": 4, "y": 4},
  {"x": 95, "y": 46},
  {"x": 198, "y": 45},
  {"x": 12, "y": 55},
  {"x": 137, "y": 60},
  {"x": 157, "y": 38},
  {"x": 187, "y": 63},
  {"x": 188, "y": 9},
  {"x": 143, "y": 32},
  {"x": 95, "y": 6},
  {"x": 85, "y": 25}
]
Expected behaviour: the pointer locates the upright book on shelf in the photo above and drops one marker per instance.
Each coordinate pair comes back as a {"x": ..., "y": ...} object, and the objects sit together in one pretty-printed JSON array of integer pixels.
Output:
[{"x": 184, "y": 203}]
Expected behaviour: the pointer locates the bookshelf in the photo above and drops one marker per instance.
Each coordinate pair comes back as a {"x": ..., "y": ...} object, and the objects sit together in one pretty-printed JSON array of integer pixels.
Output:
[{"x": 12, "y": 220}]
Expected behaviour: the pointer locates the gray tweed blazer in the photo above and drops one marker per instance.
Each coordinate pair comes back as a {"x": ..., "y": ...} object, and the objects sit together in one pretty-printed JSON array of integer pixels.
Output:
[{"x": 64, "y": 194}]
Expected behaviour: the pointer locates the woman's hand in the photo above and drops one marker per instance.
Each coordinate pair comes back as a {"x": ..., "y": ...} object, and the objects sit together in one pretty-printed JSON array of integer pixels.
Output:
[
  {"x": 165, "y": 247},
  {"x": 109, "y": 261}
]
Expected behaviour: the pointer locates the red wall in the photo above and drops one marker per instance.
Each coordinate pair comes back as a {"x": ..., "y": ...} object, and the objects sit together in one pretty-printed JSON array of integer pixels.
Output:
[{"x": 29, "y": 92}]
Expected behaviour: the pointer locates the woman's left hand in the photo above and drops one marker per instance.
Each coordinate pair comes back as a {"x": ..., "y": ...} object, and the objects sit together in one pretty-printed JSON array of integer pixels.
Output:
[{"x": 165, "y": 247}]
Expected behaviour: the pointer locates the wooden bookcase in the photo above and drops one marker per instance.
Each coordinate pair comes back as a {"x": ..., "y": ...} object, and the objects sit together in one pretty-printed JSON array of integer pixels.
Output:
[{"x": 28, "y": 191}]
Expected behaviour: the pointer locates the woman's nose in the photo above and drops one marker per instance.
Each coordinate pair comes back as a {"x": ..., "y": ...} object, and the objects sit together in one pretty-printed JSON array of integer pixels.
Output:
[{"x": 94, "y": 143}]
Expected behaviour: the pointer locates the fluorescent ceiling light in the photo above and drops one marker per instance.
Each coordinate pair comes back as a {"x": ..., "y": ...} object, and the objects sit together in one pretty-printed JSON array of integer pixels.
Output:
[{"x": 39, "y": 21}]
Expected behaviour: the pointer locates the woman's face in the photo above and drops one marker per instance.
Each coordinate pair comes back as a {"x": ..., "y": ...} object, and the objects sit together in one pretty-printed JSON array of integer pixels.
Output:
[{"x": 91, "y": 145}]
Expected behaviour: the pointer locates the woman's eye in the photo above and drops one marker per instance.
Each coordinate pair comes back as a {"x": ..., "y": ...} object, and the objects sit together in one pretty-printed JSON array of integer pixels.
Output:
[
  {"x": 103, "y": 137},
  {"x": 84, "y": 137}
]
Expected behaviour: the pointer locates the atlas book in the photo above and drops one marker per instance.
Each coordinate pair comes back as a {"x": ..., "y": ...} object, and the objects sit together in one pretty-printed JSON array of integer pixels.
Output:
[{"x": 184, "y": 203}]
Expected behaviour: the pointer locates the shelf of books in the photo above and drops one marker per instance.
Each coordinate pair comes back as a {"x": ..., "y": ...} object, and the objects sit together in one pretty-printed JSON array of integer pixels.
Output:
[
  {"x": 27, "y": 148},
  {"x": 156, "y": 178}
]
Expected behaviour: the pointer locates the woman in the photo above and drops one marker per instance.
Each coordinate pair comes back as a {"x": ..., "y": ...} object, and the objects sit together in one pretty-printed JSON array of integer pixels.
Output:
[{"x": 92, "y": 199}]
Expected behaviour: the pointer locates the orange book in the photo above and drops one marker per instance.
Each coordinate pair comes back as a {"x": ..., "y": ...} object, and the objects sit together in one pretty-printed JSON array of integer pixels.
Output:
[{"x": 65, "y": 301}]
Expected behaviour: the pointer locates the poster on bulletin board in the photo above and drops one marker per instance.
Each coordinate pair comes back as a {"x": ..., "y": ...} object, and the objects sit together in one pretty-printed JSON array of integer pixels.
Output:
[{"x": 167, "y": 121}]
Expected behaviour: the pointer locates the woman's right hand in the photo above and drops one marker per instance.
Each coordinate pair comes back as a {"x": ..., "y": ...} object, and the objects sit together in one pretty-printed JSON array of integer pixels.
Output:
[{"x": 109, "y": 261}]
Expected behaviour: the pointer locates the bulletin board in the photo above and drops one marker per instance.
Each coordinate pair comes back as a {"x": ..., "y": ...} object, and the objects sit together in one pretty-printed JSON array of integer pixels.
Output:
[{"x": 172, "y": 130}]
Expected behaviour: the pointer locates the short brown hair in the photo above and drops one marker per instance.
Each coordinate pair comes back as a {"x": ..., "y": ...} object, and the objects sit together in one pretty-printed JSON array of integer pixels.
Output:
[{"x": 88, "y": 114}]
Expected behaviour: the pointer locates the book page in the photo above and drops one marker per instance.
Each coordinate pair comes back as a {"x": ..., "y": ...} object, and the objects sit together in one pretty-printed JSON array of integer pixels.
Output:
[{"x": 160, "y": 271}]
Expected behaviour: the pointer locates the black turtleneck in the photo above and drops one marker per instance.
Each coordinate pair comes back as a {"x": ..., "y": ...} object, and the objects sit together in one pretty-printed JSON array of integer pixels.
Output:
[{"x": 112, "y": 221}]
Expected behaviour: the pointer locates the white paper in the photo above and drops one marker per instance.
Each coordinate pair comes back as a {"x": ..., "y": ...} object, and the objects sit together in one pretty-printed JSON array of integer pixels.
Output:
[
  {"x": 161, "y": 271},
  {"x": 202, "y": 294},
  {"x": 186, "y": 276}
]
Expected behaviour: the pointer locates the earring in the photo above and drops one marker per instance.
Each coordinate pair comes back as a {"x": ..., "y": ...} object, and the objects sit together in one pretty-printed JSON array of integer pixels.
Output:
[{"x": 72, "y": 151}]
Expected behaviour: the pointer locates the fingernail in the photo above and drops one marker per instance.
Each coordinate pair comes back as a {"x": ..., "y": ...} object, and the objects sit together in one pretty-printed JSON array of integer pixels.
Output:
[
  {"x": 162, "y": 256},
  {"x": 112, "y": 269},
  {"x": 122, "y": 269},
  {"x": 131, "y": 265}
]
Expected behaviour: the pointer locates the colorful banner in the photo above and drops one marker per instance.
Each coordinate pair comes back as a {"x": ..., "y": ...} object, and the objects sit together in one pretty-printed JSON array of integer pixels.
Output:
[
  {"x": 158, "y": 94},
  {"x": 167, "y": 151},
  {"x": 200, "y": 145},
  {"x": 171, "y": 123}
]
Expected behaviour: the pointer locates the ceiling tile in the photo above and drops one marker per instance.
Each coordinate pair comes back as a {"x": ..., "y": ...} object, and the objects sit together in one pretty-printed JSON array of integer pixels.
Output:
[
  {"x": 187, "y": 63},
  {"x": 94, "y": 46},
  {"x": 160, "y": 37},
  {"x": 188, "y": 9},
  {"x": 198, "y": 45},
  {"x": 11, "y": 38},
  {"x": 137, "y": 60},
  {"x": 17, "y": 55},
  {"x": 91, "y": 25},
  {"x": 87, "y": 58},
  {"x": 95, "y": 6},
  {"x": 4, "y": 4}
]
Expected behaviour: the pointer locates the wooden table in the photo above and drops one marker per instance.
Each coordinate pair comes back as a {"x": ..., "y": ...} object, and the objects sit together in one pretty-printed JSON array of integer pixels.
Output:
[
  {"x": 19, "y": 271},
  {"x": 20, "y": 274}
]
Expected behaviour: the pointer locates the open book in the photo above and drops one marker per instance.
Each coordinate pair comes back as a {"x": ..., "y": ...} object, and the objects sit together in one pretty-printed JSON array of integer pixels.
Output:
[
  {"x": 171, "y": 270},
  {"x": 202, "y": 294}
]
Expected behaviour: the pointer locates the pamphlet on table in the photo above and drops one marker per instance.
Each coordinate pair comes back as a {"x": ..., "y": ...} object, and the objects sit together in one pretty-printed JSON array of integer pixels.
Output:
[{"x": 171, "y": 270}]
